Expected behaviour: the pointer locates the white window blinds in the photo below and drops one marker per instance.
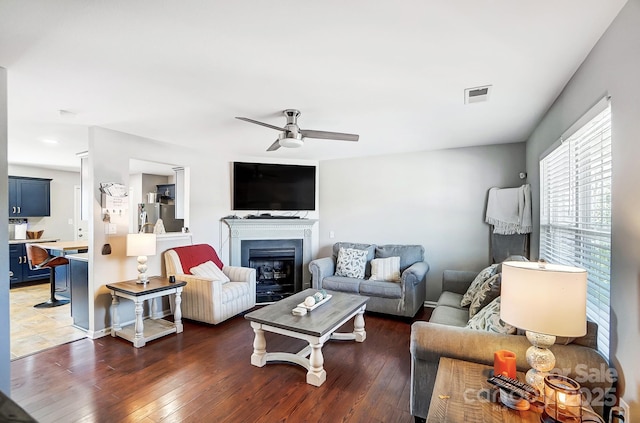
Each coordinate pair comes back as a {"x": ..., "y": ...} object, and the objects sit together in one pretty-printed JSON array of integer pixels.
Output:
[{"x": 575, "y": 212}]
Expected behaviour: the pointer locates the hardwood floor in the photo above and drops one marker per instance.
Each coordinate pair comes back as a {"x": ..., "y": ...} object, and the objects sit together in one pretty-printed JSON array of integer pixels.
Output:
[{"x": 205, "y": 375}]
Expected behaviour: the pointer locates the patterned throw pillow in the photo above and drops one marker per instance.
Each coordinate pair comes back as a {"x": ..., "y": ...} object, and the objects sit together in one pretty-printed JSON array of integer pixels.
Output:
[
  {"x": 210, "y": 271},
  {"x": 385, "y": 269},
  {"x": 485, "y": 274},
  {"x": 351, "y": 263},
  {"x": 488, "y": 319},
  {"x": 488, "y": 291}
]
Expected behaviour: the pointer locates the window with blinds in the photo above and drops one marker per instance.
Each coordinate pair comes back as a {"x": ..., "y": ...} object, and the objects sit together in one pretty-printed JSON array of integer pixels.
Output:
[{"x": 575, "y": 212}]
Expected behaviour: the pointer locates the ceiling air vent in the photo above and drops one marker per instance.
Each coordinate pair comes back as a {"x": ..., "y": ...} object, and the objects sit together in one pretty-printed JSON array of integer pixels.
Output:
[{"x": 477, "y": 94}]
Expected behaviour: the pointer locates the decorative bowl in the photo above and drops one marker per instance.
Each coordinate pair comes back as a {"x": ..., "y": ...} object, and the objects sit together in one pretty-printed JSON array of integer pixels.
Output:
[{"x": 34, "y": 234}]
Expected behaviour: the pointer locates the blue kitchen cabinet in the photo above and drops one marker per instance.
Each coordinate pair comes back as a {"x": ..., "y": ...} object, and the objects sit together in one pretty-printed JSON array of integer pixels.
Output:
[
  {"x": 29, "y": 197},
  {"x": 16, "y": 254},
  {"x": 79, "y": 281},
  {"x": 19, "y": 270}
]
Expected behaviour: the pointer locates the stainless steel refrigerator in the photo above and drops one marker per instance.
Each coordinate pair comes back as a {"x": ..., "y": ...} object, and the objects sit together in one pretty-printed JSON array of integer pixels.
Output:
[{"x": 149, "y": 213}]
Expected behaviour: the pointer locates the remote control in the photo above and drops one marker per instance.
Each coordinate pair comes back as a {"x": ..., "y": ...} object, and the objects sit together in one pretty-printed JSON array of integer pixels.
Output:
[{"x": 515, "y": 387}]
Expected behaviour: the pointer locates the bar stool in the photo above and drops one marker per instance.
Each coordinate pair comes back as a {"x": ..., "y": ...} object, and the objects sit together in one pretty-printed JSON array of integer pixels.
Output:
[{"x": 39, "y": 258}]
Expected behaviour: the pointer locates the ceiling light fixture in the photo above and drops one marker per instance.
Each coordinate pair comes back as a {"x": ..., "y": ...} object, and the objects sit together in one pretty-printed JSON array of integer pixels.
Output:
[{"x": 290, "y": 139}]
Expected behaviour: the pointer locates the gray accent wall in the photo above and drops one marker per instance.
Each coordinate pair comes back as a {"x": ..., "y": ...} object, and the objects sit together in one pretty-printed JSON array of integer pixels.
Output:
[
  {"x": 5, "y": 358},
  {"x": 433, "y": 198},
  {"x": 613, "y": 68}
]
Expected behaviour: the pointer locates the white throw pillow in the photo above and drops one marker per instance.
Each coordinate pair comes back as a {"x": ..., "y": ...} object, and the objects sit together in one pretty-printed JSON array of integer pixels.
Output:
[
  {"x": 209, "y": 270},
  {"x": 385, "y": 269},
  {"x": 351, "y": 263}
]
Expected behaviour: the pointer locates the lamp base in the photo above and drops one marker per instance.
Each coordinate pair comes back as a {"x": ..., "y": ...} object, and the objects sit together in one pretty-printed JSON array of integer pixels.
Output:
[
  {"x": 142, "y": 270},
  {"x": 540, "y": 358}
]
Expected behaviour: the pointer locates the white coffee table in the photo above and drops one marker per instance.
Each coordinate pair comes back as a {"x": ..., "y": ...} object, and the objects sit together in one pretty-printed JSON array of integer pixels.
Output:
[{"x": 316, "y": 327}]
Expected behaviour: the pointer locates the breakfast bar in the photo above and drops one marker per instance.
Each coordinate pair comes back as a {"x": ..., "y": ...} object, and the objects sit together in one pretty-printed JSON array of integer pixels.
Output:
[{"x": 63, "y": 247}]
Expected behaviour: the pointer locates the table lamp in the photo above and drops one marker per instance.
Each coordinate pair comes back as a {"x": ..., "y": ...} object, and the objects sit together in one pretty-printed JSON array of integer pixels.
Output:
[
  {"x": 547, "y": 300},
  {"x": 141, "y": 245}
]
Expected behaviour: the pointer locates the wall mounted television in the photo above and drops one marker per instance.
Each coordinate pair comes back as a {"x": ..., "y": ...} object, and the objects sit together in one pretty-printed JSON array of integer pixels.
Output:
[{"x": 277, "y": 187}]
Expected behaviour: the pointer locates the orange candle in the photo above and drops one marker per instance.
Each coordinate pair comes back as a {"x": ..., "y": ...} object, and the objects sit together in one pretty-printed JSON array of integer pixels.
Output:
[{"x": 504, "y": 363}]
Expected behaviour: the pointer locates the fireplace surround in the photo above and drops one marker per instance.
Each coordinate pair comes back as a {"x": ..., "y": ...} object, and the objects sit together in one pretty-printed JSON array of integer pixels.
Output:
[{"x": 281, "y": 236}]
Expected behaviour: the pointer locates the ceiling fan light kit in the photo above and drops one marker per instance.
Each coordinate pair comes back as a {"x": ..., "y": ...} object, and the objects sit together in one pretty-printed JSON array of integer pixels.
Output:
[
  {"x": 293, "y": 137},
  {"x": 290, "y": 140}
]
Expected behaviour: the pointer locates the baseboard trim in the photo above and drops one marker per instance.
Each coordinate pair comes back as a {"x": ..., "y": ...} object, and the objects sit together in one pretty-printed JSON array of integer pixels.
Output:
[
  {"x": 430, "y": 304},
  {"x": 98, "y": 333}
]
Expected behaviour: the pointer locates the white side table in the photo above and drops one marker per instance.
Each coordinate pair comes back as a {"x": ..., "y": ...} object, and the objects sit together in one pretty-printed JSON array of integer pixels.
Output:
[{"x": 144, "y": 330}]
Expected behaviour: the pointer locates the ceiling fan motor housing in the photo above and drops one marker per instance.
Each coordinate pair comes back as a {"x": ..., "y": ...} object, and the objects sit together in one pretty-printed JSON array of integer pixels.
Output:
[{"x": 292, "y": 116}]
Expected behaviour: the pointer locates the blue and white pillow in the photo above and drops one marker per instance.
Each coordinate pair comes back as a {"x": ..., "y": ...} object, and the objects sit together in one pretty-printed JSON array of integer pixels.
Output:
[
  {"x": 488, "y": 319},
  {"x": 351, "y": 263},
  {"x": 475, "y": 286}
]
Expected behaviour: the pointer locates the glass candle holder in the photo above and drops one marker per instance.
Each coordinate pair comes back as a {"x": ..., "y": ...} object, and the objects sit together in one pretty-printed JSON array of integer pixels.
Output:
[{"x": 562, "y": 400}]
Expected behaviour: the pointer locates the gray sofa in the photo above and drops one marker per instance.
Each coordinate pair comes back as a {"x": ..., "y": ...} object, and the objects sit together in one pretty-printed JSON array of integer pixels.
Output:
[
  {"x": 402, "y": 298},
  {"x": 445, "y": 335}
]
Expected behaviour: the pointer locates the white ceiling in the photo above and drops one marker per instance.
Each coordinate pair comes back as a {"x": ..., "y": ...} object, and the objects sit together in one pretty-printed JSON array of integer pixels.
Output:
[{"x": 392, "y": 71}]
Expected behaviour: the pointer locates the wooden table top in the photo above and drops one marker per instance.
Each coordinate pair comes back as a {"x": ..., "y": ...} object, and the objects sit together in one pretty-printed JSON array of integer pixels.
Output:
[
  {"x": 316, "y": 322},
  {"x": 461, "y": 393},
  {"x": 155, "y": 284},
  {"x": 64, "y": 245}
]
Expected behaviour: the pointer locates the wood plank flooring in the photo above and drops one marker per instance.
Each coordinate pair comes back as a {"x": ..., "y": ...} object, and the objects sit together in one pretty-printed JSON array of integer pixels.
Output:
[{"x": 205, "y": 375}]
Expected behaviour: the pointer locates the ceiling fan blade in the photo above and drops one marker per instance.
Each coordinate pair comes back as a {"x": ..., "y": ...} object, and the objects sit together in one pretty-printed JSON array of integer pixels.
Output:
[
  {"x": 260, "y": 123},
  {"x": 274, "y": 146},
  {"x": 310, "y": 133}
]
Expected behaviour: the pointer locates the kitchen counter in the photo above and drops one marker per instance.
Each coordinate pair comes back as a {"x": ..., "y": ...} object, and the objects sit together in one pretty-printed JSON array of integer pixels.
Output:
[
  {"x": 64, "y": 246},
  {"x": 25, "y": 241}
]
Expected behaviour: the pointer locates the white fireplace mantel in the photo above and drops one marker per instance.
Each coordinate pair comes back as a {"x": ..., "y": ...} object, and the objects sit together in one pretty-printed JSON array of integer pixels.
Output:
[{"x": 252, "y": 229}]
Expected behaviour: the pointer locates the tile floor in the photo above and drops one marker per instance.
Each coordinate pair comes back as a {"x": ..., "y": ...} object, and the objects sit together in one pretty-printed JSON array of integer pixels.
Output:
[{"x": 36, "y": 329}]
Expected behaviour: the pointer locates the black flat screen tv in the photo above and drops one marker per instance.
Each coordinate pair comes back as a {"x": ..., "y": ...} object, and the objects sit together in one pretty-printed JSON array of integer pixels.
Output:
[{"x": 265, "y": 186}]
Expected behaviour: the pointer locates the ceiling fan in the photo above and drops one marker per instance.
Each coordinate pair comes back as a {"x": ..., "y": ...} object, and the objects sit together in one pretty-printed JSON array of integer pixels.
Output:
[{"x": 292, "y": 136}]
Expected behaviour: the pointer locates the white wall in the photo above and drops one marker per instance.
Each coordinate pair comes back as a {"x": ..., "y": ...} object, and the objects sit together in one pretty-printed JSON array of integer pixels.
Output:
[
  {"x": 612, "y": 67},
  {"x": 209, "y": 201},
  {"x": 5, "y": 357},
  {"x": 108, "y": 161},
  {"x": 62, "y": 194},
  {"x": 433, "y": 198}
]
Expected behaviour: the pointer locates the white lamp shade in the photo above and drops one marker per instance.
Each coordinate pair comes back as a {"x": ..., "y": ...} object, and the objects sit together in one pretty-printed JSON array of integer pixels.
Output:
[
  {"x": 141, "y": 244},
  {"x": 551, "y": 300}
]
